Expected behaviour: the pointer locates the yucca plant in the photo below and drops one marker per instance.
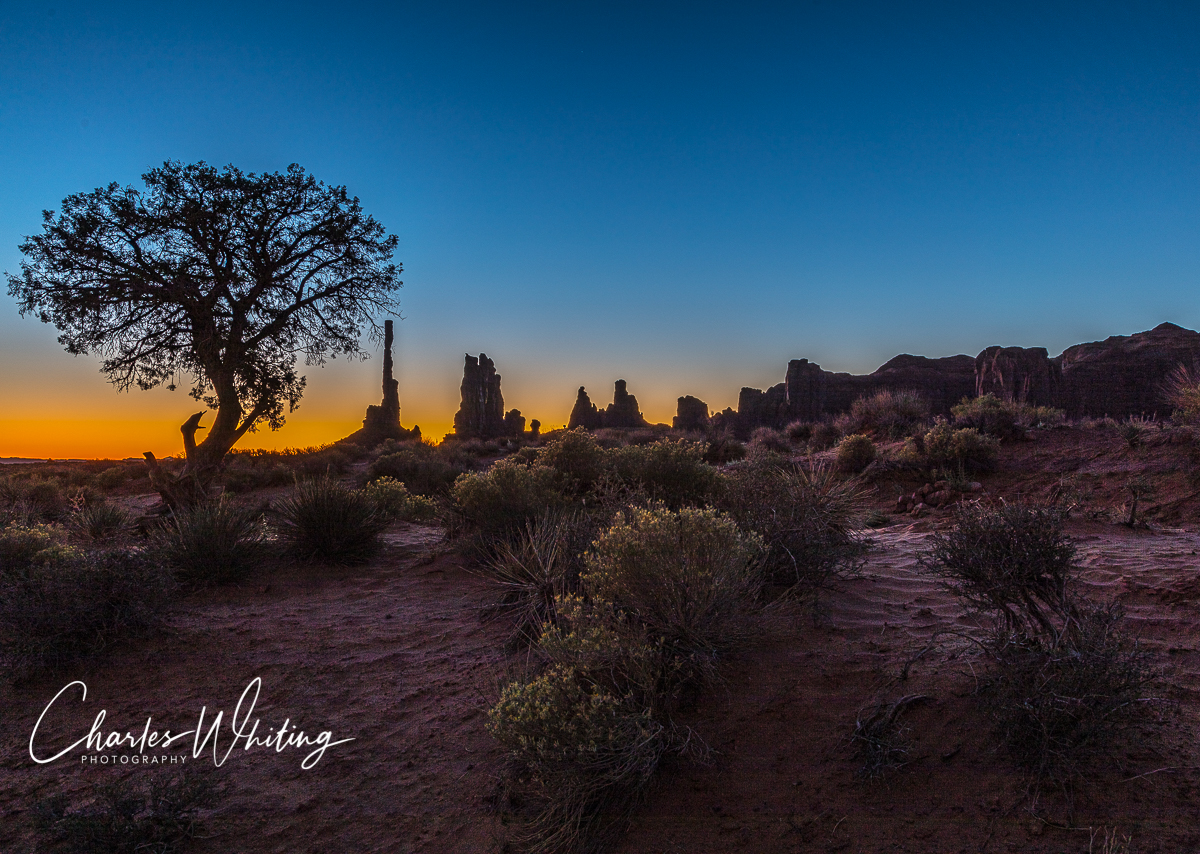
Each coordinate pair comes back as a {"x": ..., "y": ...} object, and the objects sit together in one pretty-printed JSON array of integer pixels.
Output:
[
  {"x": 327, "y": 521},
  {"x": 213, "y": 542}
]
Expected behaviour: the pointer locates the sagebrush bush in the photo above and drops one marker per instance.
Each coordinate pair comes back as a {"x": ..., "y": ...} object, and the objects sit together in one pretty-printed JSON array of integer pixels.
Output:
[
  {"x": 805, "y": 517},
  {"x": 769, "y": 439},
  {"x": 672, "y": 471},
  {"x": 824, "y": 436},
  {"x": 578, "y": 457},
  {"x": 723, "y": 448},
  {"x": 112, "y": 477},
  {"x": 590, "y": 754},
  {"x": 798, "y": 431},
  {"x": 53, "y": 614},
  {"x": 126, "y": 818},
  {"x": 947, "y": 448},
  {"x": 1065, "y": 681},
  {"x": 418, "y": 468},
  {"x": 889, "y": 414},
  {"x": 396, "y": 502},
  {"x": 991, "y": 416},
  {"x": 214, "y": 542},
  {"x": 690, "y": 577},
  {"x": 1013, "y": 561},
  {"x": 22, "y": 545},
  {"x": 493, "y": 507},
  {"x": 1061, "y": 701},
  {"x": 855, "y": 453},
  {"x": 327, "y": 521}
]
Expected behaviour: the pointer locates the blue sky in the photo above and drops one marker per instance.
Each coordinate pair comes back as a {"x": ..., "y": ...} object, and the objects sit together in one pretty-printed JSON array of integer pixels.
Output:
[{"x": 683, "y": 195}]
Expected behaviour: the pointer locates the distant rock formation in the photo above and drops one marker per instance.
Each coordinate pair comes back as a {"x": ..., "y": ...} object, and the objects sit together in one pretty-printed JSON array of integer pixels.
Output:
[
  {"x": 691, "y": 414},
  {"x": 584, "y": 414},
  {"x": 1124, "y": 375},
  {"x": 481, "y": 413},
  {"x": 1019, "y": 374},
  {"x": 383, "y": 421},
  {"x": 621, "y": 414},
  {"x": 514, "y": 423}
]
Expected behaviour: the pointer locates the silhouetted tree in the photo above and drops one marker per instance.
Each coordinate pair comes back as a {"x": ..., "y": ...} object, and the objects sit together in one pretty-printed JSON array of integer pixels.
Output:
[{"x": 223, "y": 276}]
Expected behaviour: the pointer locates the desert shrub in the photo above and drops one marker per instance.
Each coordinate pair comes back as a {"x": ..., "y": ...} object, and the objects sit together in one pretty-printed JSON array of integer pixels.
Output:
[
  {"x": 112, "y": 477},
  {"x": 55, "y": 613},
  {"x": 889, "y": 414},
  {"x": 723, "y": 448},
  {"x": 1013, "y": 561},
  {"x": 824, "y": 436},
  {"x": 542, "y": 565},
  {"x": 1060, "y": 702},
  {"x": 578, "y": 457},
  {"x": 805, "y": 517},
  {"x": 420, "y": 470},
  {"x": 215, "y": 542},
  {"x": 41, "y": 497},
  {"x": 769, "y": 439},
  {"x": 947, "y": 448},
  {"x": 98, "y": 522},
  {"x": 991, "y": 416},
  {"x": 124, "y": 818},
  {"x": 855, "y": 453},
  {"x": 880, "y": 739},
  {"x": 672, "y": 471},
  {"x": 396, "y": 503},
  {"x": 25, "y": 544},
  {"x": 324, "y": 520},
  {"x": 588, "y": 752},
  {"x": 1064, "y": 678},
  {"x": 689, "y": 577},
  {"x": 798, "y": 431},
  {"x": 240, "y": 477},
  {"x": 493, "y": 507}
]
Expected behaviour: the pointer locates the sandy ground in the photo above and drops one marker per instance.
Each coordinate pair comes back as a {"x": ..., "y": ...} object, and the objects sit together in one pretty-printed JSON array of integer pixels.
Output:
[{"x": 394, "y": 656}]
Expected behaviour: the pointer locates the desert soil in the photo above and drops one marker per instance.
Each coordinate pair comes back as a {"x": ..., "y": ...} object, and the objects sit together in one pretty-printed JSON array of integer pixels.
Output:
[{"x": 394, "y": 655}]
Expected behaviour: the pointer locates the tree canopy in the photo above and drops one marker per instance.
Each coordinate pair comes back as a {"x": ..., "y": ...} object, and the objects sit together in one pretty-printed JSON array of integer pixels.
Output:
[{"x": 221, "y": 276}]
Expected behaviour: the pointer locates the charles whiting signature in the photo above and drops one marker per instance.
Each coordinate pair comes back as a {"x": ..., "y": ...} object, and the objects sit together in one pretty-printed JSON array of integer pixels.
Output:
[{"x": 243, "y": 727}]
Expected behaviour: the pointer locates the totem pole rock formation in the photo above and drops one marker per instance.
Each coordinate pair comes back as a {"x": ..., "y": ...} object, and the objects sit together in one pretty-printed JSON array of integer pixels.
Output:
[{"x": 383, "y": 421}]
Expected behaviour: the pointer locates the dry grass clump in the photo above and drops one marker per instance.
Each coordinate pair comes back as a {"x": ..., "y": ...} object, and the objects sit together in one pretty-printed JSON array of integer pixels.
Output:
[
  {"x": 58, "y": 612},
  {"x": 324, "y": 520},
  {"x": 213, "y": 543},
  {"x": 824, "y": 436},
  {"x": 1066, "y": 684},
  {"x": 889, "y": 414},
  {"x": 124, "y": 818},
  {"x": 805, "y": 516}
]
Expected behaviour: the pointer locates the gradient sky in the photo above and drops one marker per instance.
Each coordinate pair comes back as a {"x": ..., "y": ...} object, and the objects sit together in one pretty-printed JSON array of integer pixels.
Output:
[{"x": 683, "y": 195}]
